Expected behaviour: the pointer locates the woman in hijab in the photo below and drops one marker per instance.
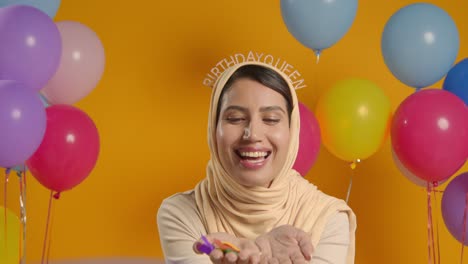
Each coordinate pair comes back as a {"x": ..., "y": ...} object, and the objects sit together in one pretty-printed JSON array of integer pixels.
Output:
[{"x": 251, "y": 197}]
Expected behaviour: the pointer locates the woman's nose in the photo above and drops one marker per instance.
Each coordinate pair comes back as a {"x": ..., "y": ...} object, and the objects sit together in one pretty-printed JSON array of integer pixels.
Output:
[{"x": 252, "y": 132}]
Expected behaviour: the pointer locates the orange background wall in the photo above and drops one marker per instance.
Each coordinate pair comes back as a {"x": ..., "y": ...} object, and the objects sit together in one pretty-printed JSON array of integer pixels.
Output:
[{"x": 151, "y": 111}]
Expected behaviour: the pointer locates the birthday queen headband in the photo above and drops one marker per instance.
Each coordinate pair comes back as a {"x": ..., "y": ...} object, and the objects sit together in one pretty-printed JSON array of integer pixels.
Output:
[{"x": 280, "y": 65}]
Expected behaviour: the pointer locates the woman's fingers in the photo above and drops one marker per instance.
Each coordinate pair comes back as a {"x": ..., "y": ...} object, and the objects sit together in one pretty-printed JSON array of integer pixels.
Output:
[
  {"x": 263, "y": 243},
  {"x": 217, "y": 256},
  {"x": 305, "y": 244},
  {"x": 230, "y": 258}
]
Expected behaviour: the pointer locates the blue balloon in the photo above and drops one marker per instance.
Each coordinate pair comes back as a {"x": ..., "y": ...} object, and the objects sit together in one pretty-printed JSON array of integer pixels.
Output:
[
  {"x": 419, "y": 44},
  {"x": 318, "y": 24},
  {"x": 49, "y": 7},
  {"x": 456, "y": 80}
]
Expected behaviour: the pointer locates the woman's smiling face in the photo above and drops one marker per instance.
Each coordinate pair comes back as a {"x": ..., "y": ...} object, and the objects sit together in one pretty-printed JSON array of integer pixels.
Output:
[{"x": 252, "y": 132}]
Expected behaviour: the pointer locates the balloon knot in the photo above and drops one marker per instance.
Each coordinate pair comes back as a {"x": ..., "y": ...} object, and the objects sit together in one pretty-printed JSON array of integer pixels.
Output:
[
  {"x": 353, "y": 164},
  {"x": 317, "y": 55},
  {"x": 57, "y": 195}
]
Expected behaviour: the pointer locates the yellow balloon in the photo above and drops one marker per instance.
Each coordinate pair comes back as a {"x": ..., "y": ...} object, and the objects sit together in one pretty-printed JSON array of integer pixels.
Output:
[
  {"x": 9, "y": 249},
  {"x": 354, "y": 117}
]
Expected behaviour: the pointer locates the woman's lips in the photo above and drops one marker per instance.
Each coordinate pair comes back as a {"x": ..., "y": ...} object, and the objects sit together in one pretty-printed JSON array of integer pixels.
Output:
[{"x": 253, "y": 158}]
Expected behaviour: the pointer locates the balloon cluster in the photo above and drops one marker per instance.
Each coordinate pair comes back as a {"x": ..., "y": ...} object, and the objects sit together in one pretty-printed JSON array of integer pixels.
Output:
[
  {"x": 429, "y": 131},
  {"x": 46, "y": 67}
]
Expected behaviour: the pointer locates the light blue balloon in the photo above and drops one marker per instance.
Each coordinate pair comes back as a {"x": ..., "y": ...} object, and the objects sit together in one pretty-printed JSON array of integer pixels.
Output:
[
  {"x": 420, "y": 43},
  {"x": 19, "y": 168},
  {"x": 49, "y": 7},
  {"x": 44, "y": 100},
  {"x": 318, "y": 24}
]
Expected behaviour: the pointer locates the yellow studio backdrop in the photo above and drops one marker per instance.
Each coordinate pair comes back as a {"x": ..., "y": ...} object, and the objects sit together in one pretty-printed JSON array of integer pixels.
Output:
[
  {"x": 151, "y": 111},
  {"x": 9, "y": 237}
]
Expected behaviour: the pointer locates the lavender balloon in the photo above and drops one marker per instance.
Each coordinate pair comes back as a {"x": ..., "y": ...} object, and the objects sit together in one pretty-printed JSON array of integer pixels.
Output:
[
  {"x": 453, "y": 207},
  {"x": 22, "y": 123},
  {"x": 30, "y": 46}
]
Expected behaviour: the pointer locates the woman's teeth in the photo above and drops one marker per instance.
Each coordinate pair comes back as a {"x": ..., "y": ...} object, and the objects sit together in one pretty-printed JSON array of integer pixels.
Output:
[{"x": 255, "y": 154}]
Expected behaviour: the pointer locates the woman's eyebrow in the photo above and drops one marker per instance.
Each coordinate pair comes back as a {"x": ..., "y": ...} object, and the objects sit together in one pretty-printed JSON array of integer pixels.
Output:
[
  {"x": 236, "y": 107},
  {"x": 271, "y": 108}
]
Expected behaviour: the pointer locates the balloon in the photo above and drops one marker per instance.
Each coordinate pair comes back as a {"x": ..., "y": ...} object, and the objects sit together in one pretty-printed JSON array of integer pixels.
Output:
[
  {"x": 69, "y": 150},
  {"x": 19, "y": 168},
  {"x": 22, "y": 167},
  {"x": 430, "y": 134},
  {"x": 318, "y": 24},
  {"x": 354, "y": 117},
  {"x": 30, "y": 46},
  {"x": 419, "y": 44},
  {"x": 409, "y": 175},
  {"x": 81, "y": 64},
  {"x": 23, "y": 123},
  {"x": 10, "y": 253},
  {"x": 44, "y": 100},
  {"x": 456, "y": 80},
  {"x": 49, "y": 7},
  {"x": 453, "y": 207},
  {"x": 309, "y": 141}
]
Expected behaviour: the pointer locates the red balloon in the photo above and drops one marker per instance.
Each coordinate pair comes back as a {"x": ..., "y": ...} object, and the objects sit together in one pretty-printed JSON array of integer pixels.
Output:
[
  {"x": 430, "y": 134},
  {"x": 69, "y": 150},
  {"x": 309, "y": 141}
]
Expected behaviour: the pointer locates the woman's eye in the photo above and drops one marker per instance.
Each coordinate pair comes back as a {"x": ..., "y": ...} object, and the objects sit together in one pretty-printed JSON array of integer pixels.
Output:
[
  {"x": 271, "y": 121},
  {"x": 235, "y": 120}
]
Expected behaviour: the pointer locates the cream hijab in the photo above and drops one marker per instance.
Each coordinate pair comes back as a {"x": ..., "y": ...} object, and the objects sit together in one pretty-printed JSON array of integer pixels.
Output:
[{"x": 227, "y": 206}]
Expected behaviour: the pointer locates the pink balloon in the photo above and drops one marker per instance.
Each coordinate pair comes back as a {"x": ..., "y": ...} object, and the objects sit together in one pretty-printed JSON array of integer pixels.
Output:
[
  {"x": 309, "y": 141},
  {"x": 69, "y": 150},
  {"x": 430, "y": 134},
  {"x": 81, "y": 64},
  {"x": 409, "y": 175}
]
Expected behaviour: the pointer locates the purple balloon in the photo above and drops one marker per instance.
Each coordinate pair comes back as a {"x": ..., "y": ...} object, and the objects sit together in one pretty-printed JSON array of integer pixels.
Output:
[
  {"x": 453, "y": 207},
  {"x": 22, "y": 121},
  {"x": 30, "y": 46}
]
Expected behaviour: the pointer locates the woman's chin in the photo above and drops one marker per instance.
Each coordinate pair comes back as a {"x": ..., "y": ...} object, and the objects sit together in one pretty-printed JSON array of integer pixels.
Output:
[{"x": 250, "y": 182}]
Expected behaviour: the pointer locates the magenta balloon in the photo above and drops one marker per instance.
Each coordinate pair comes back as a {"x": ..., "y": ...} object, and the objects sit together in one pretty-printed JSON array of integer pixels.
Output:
[
  {"x": 22, "y": 121},
  {"x": 30, "y": 46},
  {"x": 309, "y": 141},
  {"x": 430, "y": 134}
]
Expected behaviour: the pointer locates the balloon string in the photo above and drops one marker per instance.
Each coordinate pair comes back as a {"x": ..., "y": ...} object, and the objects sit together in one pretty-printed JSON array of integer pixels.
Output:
[
  {"x": 428, "y": 223},
  {"x": 430, "y": 233},
  {"x": 316, "y": 78},
  {"x": 7, "y": 173},
  {"x": 21, "y": 205},
  {"x": 464, "y": 228},
  {"x": 353, "y": 166},
  {"x": 56, "y": 196},
  {"x": 25, "y": 213},
  {"x": 47, "y": 229},
  {"x": 432, "y": 228},
  {"x": 22, "y": 183},
  {"x": 434, "y": 191}
]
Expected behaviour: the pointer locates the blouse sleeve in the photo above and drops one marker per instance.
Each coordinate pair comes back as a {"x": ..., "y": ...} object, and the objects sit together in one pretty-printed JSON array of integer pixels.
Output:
[
  {"x": 334, "y": 242},
  {"x": 179, "y": 226}
]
